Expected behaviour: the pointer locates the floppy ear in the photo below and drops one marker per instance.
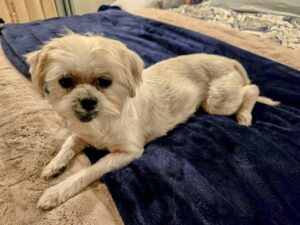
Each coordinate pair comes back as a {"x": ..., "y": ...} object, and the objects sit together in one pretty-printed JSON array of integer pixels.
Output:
[
  {"x": 37, "y": 61},
  {"x": 135, "y": 67}
]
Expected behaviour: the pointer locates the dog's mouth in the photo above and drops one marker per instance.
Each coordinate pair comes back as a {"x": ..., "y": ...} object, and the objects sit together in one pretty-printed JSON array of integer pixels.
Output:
[{"x": 86, "y": 117}]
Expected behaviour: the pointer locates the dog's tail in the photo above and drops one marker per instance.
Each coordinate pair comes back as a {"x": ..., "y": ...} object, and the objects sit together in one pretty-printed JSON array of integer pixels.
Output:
[
  {"x": 238, "y": 67},
  {"x": 267, "y": 101}
]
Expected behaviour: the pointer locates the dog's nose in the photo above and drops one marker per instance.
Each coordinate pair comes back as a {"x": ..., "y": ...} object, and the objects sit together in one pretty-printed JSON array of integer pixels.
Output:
[{"x": 88, "y": 104}]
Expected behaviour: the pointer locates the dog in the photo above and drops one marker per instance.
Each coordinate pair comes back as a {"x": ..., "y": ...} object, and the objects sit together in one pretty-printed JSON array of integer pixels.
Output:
[{"x": 110, "y": 101}]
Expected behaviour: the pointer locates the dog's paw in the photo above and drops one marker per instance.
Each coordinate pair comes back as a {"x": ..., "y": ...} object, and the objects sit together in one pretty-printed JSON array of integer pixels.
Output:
[
  {"x": 244, "y": 119},
  {"x": 60, "y": 193},
  {"x": 53, "y": 170},
  {"x": 51, "y": 198}
]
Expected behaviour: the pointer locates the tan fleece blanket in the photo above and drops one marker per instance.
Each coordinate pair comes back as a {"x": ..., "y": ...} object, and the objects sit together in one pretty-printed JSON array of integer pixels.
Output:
[{"x": 31, "y": 133}]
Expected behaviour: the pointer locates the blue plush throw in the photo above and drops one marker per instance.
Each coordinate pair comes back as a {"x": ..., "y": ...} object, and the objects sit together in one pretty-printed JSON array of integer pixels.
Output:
[{"x": 210, "y": 170}]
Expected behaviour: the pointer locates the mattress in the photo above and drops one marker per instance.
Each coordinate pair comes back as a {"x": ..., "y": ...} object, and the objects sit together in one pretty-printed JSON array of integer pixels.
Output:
[{"x": 138, "y": 200}]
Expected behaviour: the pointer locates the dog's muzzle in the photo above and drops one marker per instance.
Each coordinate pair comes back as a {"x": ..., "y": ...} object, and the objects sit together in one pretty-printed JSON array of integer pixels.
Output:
[{"x": 85, "y": 109}]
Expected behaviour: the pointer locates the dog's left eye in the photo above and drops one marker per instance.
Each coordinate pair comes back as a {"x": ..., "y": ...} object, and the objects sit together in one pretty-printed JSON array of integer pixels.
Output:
[
  {"x": 103, "y": 82},
  {"x": 66, "y": 82}
]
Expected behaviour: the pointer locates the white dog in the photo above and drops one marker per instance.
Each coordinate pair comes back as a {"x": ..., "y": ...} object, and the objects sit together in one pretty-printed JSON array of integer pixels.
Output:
[{"x": 99, "y": 86}]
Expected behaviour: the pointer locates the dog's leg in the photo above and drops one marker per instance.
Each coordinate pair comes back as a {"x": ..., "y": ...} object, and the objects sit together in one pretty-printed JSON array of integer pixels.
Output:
[
  {"x": 61, "y": 192},
  {"x": 244, "y": 113},
  {"x": 58, "y": 164},
  {"x": 225, "y": 95},
  {"x": 228, "y": 95}
]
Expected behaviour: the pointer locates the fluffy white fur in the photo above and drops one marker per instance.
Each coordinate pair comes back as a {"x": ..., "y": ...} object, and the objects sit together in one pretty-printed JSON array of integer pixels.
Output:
[{"x": 139, "y": 106}]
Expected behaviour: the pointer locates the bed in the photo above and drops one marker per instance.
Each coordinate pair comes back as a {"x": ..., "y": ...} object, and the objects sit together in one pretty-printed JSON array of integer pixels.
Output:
[{"x": 31, "y": 133}]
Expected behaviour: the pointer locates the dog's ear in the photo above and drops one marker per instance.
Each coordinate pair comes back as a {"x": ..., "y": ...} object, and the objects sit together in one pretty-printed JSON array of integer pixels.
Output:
[
  {"x": 37, "y": 61},
  {"x": 135, "y": 67}
]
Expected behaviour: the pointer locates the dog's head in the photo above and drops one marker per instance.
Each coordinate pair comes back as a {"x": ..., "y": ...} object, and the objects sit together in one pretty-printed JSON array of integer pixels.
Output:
[{"x": 86, "y": 77}]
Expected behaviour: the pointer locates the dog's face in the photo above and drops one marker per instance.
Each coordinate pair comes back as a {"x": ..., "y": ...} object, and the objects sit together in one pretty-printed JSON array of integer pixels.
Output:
[{"x": 86, "y": 77}]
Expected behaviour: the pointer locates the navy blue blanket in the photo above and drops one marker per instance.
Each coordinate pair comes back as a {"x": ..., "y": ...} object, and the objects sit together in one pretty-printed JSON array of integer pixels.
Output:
[{"x": 210, "y": 170}]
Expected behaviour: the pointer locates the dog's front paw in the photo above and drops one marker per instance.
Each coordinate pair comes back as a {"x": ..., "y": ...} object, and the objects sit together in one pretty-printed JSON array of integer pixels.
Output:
[
  {"x": 51, "y": 198},
  {"x": 53, "y": 170},
  {"x": 61, "y": 192}
]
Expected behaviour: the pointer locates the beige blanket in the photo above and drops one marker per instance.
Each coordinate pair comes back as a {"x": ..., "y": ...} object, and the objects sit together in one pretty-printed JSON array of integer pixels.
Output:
[{"x": 31, "y": 133}]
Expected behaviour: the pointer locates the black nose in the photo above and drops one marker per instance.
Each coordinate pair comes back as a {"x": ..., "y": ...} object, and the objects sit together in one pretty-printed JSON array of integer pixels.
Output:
[{"x": 88, "y": 104}]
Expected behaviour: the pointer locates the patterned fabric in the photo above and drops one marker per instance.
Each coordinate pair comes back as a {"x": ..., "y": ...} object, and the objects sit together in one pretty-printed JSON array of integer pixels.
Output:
[{"x": 282, "y": 29}]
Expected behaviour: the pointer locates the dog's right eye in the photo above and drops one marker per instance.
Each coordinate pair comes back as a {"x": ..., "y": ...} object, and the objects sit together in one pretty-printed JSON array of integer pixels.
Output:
[{"x": 66, "y": 82}]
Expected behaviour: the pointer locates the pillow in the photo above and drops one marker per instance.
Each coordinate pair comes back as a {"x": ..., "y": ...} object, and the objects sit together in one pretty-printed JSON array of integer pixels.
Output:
[
  {"x": 281, "y": 7},
  {"x": 134, "y": 4}
]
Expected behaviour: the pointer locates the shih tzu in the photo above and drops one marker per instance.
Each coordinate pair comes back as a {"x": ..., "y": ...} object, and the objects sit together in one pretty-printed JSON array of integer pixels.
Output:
[{"x": 109, "y": 101}]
